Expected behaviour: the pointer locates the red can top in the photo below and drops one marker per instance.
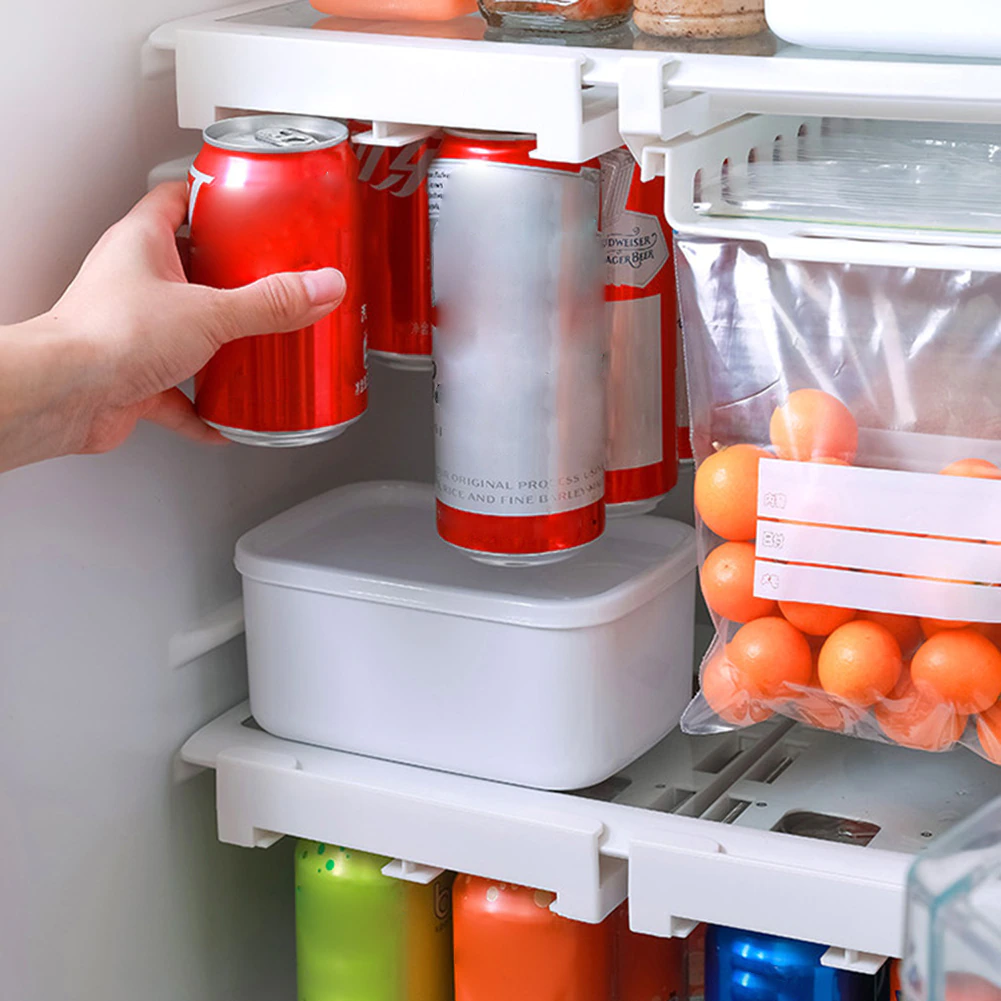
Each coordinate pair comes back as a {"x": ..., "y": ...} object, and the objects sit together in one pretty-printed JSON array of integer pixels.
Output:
[
  {"x": 501, "y": 147},
  {"x": 275, "y": 134}
]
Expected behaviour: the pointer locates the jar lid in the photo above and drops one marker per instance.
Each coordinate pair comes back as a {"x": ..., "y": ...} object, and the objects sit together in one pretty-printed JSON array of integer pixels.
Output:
[{"x": 377, "y": 542}]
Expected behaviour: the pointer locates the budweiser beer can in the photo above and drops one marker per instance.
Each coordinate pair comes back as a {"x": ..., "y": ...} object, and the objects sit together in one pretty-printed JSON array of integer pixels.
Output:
[
  {"x": 396, "y": 250},
  {"x": 642, "y": 303},
  {"x": 518, "y": 351},
  {"x": 273, "y": 193}
]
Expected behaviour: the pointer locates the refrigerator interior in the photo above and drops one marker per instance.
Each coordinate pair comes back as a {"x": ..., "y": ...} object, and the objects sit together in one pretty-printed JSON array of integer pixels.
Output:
[{"x": 113, "y": 880}]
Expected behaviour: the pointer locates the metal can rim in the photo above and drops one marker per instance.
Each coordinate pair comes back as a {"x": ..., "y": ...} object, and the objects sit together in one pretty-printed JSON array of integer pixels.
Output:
[
  {"x": 577, "y": 169},
  {"x": 244, "y": 125},
  {"x": 493, "y": 136}
]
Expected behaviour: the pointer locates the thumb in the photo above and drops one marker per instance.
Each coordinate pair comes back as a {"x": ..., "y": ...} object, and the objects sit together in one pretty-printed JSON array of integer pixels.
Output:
[{"x": 280, "y": 303}]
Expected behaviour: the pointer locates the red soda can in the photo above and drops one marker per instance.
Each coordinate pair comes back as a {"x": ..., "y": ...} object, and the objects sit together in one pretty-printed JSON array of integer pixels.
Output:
[
  {"x": 273, "y": 193},
  {"x": 509, "y": 945},
  {"x": 396, "y": 250},
  {"x": 647, "y": 968},
  {"x": 642, "y": 462},
  {"x": 519, "y": 349}
]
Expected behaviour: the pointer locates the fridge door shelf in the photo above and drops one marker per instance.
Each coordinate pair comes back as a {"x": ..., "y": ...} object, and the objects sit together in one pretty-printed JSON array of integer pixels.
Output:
[
  {"x": 778, "y": 828},
  {"x": 286, "y": 57}
]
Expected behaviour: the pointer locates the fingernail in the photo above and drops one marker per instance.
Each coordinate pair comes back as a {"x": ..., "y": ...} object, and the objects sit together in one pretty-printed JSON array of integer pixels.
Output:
[{"x": 324, "y": 286}]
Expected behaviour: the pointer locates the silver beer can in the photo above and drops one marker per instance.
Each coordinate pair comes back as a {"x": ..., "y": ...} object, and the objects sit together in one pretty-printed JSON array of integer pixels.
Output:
[{"x": 519, "y": 351}]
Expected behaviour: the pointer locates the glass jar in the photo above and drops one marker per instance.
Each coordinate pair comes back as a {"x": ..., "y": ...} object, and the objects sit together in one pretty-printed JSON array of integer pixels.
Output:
[
  {"x": 700, "y": 18},
  {"x": 555, "y": 15}
]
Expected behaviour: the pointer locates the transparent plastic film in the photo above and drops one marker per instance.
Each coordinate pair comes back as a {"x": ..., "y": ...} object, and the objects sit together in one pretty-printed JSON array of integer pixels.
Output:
[
  {"x": 895, "y": 174},
  {"x": 847, "y": 432},
  {"x": 953, "y": 945}
]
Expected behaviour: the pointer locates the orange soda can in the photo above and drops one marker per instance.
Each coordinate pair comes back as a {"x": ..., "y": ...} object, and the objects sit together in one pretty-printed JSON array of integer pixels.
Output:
[
  {"x": 509, "y": 945},
  {"x": 647, "y": 968},
  {"x": 896, "y": 993},
  {"x": 696, "y": 963}
]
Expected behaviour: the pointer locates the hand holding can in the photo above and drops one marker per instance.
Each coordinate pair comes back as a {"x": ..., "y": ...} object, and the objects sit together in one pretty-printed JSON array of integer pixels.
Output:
[{"x": 271, "y": 193}]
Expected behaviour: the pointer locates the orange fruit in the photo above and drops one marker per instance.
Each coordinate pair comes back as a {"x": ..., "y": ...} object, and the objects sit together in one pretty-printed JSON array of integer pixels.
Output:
[
  {"x": 818, "y": 709},
  {"x": 970, "y": 987},
  {"x": 932, "y": 627},
  {"x": 812, "y": 424},
  {"x": 989, "y": 732},
  {"x": 728, "y": 583},
  {"x": 961, "y": 667},
  {"x": 860, "y": 662},
  {"x": 979, "y": 468},
  {"x": 914, "y": 718},
  {"x": 816, "y": 620},
  {"x": 906, "y": 629},
  {"x": 726, "y": 491},
  {"x": 770, "y": 654},
  {"x": 725, "y": 689},
  {"x": 992, "y": 630}
]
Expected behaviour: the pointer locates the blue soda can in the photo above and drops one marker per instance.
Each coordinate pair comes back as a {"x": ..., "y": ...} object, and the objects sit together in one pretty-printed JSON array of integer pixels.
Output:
[{"x": 747, "y": 966}]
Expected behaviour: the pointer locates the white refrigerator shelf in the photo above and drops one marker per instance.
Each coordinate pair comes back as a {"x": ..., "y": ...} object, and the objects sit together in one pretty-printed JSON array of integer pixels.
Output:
[
  {"x": 578, "y": 99},
  {"x": 778, "y": 828}
]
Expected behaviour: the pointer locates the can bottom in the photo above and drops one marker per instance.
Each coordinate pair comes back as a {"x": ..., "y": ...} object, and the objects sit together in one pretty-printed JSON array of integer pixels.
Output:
[
  {"x": 521, "y": 559},
  {"x": 629, "y": 509},
  {"x": 401, "y": 362},
  {"x": 283, "y": 439}
]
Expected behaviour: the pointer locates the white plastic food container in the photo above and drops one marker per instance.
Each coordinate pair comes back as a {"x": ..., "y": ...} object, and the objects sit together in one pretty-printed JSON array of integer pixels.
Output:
[
  {"x": 924, "y": 27},
  {"x": 366, "y": 633}
]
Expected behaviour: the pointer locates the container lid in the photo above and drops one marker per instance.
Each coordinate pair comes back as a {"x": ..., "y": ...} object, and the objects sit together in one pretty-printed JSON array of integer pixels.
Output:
[
  {"x": 378, "y": 542},
  {"x": 275, "y": 134}
]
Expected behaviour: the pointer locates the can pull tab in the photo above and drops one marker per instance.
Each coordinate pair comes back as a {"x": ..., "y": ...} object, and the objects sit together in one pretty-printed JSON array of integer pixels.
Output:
[{"x": 284, "y": 138}]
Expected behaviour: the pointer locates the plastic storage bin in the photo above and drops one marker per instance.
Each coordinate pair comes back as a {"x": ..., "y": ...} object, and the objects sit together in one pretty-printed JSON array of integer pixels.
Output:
[
  {"x": 953, "y": 950},
  {"x": 925, "y": 27},
  {"x": 366, "y": 633}
]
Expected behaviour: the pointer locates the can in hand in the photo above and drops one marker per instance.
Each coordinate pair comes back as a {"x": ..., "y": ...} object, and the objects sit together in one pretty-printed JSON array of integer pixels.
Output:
[
  {"x": 396, "y": 250},
  {"x": 272, "y": 193},
  {"x": 642, "y": 304},
  {"x": 362, "y": 934},
  {"x": 519, "y": 345}
]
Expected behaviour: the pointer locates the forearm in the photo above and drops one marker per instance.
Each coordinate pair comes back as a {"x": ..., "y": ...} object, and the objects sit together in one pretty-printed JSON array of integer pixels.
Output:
[{"x": 45, "y": 373}]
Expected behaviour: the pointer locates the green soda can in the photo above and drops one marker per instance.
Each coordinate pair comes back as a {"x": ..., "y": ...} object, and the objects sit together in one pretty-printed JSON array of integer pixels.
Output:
[{"x": 363, "y": 936}]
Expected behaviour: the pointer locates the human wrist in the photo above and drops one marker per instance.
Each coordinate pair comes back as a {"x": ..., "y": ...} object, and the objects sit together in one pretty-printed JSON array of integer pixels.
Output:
[{"x": 47, "y": 370}]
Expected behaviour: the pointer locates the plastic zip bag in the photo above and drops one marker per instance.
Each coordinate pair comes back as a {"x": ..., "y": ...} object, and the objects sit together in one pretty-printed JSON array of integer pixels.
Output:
[{"x": 853, "y": 586}]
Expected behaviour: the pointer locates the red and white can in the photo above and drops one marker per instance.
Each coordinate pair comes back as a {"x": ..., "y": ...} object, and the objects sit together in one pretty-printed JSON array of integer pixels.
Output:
[
  {"x": 396, "y": 250},
  {"x": 272, "y": 193},
  {"x": 518, "y": 351},
  {"x": 642, "y": 461}
]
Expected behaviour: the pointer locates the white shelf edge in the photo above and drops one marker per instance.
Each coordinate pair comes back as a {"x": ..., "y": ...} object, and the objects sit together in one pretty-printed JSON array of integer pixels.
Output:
[
  {"x": 577, "y": 99},
  {"x": 676, "y": 869}
]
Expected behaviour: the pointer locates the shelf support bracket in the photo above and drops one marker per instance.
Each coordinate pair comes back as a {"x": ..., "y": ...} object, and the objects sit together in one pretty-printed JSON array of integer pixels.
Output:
[{"x": 261, "y": 793}]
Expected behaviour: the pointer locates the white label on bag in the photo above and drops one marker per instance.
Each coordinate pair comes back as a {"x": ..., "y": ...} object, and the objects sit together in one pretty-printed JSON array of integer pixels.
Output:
[
  {"x": 879, "y": 539},
  {"x": 635, "y": 394}
]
